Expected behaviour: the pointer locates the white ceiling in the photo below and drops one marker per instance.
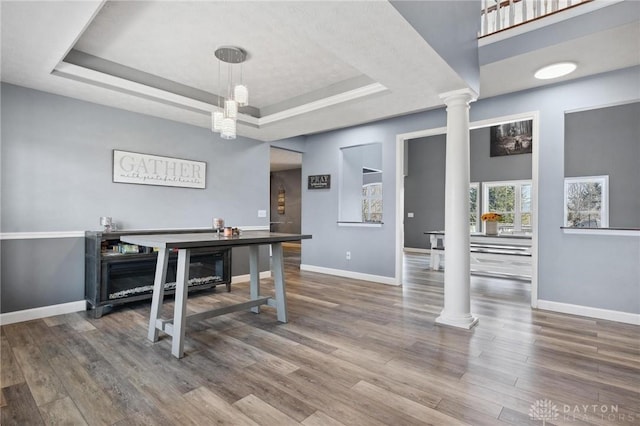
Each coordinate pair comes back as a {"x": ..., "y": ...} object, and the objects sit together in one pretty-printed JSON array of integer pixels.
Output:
[{"x": 312, "y": 67}]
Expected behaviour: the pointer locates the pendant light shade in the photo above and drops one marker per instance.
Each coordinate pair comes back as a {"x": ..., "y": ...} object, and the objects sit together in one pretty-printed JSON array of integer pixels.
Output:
[
  {"x": 216, "y": 121},
  {"x": 230, "y": 108},
  {"x": 241, "y": 95},
  {"x": 228, "y": 130}
]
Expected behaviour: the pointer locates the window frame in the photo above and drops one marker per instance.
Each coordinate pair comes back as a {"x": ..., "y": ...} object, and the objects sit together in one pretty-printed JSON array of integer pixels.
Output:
[
  {"x": 517, "y": 211},
  {"x": 604, "y": 202}
]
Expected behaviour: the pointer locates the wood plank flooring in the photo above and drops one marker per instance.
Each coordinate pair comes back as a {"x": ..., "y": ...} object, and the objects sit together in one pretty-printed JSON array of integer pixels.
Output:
[{"x": 353, "y": 353}]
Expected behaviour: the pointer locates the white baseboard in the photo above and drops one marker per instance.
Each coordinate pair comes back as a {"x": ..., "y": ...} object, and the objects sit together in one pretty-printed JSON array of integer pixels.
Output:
[
  {"x": 350, "y": 274},
  {"x": 416, "y": 250},
  {"x": 244, "y": 278},
  {"x": 81, "y": 305},
  {"x": 42, "y": 312},
  {"x": 587, "y": 311}
]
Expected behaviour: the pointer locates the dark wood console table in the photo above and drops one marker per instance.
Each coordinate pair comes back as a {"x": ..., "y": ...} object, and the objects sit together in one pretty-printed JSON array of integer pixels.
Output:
[
  {"x": 185, "y": 244},
  {"x": 114, "y": 277}
]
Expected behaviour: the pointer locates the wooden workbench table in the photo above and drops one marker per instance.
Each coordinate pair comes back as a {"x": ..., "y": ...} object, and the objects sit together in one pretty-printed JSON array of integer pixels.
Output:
[{"x": 184, "y": 243}]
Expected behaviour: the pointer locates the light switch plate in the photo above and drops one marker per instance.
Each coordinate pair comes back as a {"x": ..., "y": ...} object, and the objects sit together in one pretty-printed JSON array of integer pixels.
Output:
[
  {"x": 262, "y": 213},
  {"x": 409, "y": 214}
]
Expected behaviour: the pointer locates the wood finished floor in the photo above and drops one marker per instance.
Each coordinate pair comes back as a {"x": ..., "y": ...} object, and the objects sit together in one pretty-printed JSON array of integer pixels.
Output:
[{"x": 353, "y": 353}]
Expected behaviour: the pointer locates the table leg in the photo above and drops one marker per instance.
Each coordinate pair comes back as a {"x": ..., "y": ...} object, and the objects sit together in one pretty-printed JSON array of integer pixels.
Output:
[
  {"x": 180, "y": 309},
  {"x": 254, "y": 276},
  {"x": 278, "y": 278},
  {"x": 435, "y": 256},
  {"x": 158, "y": 292}
]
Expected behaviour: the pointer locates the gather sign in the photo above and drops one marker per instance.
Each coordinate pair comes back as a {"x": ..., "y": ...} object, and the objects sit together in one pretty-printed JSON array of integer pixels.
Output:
[{"x": 146, "y": 169}]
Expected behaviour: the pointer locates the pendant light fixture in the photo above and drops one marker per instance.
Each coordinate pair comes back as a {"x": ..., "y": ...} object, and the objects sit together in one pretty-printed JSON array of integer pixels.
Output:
[{"x": 223, "y": 120}]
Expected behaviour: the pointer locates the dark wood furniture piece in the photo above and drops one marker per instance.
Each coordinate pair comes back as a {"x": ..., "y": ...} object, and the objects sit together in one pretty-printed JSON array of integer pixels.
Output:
[{"x": 114, "y": 278}]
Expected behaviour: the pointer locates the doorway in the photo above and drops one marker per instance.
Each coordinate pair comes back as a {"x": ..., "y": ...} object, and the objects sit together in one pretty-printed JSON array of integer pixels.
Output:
[
  {"x": 285, "y": 183},
  {"x": 401, "y": 167}
]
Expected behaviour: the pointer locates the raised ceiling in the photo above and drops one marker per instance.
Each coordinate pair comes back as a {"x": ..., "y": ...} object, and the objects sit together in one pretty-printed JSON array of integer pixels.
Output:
[{"x": 312, "y": 67}]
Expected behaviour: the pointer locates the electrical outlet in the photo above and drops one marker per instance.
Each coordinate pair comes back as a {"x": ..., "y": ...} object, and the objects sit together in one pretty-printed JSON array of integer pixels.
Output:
[
  {"x": 348, "y": 255},
  {"x": 262, "y": 213},
  {"x": 409, "y": 214}
]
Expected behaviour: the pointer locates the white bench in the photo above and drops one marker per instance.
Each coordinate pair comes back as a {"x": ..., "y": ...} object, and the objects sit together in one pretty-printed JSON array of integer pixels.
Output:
[{"x": 500, "y": 255}]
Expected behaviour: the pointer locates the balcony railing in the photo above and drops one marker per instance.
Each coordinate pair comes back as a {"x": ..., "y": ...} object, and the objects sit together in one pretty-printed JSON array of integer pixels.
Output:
[{"x": 498, "y": 15}]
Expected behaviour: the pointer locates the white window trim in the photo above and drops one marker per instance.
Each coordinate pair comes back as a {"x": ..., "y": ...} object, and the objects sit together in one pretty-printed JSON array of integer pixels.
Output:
[
  {"x": 517, "y": 213},
  {"x": 604, "y": 181},
  {"x": 476, "y": 185}
]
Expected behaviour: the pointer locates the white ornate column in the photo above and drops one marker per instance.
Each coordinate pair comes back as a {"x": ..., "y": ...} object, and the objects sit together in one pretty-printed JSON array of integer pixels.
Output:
[{"x": 457, "y": 295}]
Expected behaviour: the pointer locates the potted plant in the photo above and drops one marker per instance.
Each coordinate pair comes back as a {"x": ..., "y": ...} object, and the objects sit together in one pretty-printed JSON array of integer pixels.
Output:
[{"x": 491, "y": 220}]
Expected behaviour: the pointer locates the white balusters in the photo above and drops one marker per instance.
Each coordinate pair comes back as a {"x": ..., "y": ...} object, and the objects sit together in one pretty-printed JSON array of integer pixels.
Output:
[
  {"x": 512, "y": 13},
  {"x": 502, "y": 14}
]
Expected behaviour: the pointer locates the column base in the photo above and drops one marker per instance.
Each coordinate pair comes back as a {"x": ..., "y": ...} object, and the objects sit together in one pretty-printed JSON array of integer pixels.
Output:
[{"x": 466, "y": 322}]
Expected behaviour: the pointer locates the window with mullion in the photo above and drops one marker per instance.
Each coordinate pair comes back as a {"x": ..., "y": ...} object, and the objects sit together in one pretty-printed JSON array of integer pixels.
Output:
[
  {"x": 372, "y": 202},
  {"x": 586, "y": 202},
  {"x": 512, "y": 200}
]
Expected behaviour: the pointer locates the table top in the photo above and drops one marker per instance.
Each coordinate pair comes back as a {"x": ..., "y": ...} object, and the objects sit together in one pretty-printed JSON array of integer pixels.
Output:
[{"x": 211, "y": 239}]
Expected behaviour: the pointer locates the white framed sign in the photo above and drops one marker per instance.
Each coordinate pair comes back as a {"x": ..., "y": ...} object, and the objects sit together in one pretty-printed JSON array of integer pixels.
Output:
[{"x": 146, "y": 169}]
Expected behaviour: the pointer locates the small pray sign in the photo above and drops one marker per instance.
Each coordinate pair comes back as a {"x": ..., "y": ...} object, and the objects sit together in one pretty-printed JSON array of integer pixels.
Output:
[{"x": 319, "y": 182}]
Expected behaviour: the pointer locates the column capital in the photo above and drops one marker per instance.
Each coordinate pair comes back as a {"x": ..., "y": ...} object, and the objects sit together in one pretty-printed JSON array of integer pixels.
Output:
[{"x": 465, "y": 95}]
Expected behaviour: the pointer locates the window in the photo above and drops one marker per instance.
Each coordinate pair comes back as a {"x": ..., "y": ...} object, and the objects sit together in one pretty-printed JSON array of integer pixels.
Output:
[
  {"x": 360, "y": 199},
  {"x": 474, "y": 211},
  {"x": 586, "y": 202},
  {"x": 512, "y": 200},
  {"x": 372, "y": 202}
]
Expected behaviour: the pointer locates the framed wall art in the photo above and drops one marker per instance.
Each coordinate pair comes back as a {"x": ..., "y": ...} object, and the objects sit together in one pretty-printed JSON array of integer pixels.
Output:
[{"x": 147, "y": 169}]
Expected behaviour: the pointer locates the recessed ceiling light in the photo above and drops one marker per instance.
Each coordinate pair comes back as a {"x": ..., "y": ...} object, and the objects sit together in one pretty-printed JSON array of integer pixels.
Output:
[{"x": 555, "y": 70}]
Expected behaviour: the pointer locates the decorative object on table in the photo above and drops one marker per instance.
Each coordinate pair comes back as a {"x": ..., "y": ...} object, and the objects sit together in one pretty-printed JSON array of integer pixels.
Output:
[
  {"x": 223, "y": 119},
  {"x": 319, "y": 182},
  {"x": 147, "y": 169},
  {"x": 218, "y": 224},
  {"x": 281, "y": 193},
  {"x": 491, "y": 223},
  {"x": 228, "y": 231},
  {"x": 511, "y": 138},
  {"x": 107, "y": 223}
]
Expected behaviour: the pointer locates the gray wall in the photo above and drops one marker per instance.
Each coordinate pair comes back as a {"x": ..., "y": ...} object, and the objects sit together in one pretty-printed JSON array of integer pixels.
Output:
[
  {"x": 451, "y": 28},
  {"x": 588, "y": 270},
  {"x": 424, "y": 184},
  {"x": 41, "y": 272},
  {"x": 372, "y": 249},
  {"x": 291, "y": 182},
  {"x": 485, "y": 168},
  {"x": 57, "y": 176},
  {"x": 424, "y": 189},
  {"x": 297, "y": 144},
  {"x": 606, "y": 141}
]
